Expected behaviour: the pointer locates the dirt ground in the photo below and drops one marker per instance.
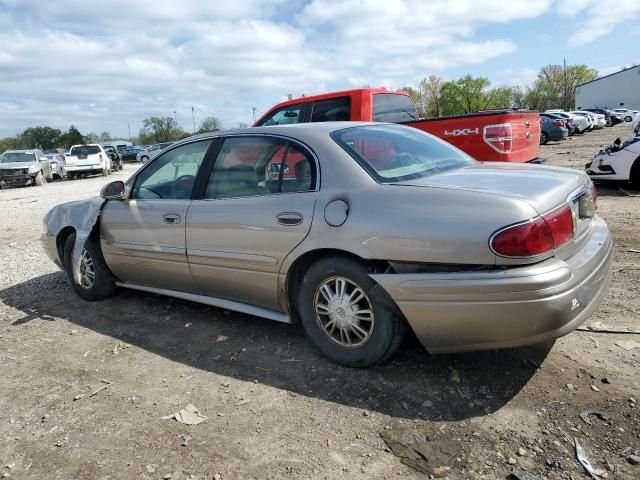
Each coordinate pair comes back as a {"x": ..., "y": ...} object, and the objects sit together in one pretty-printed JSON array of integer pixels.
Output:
[{"x": 275, "y": 407}]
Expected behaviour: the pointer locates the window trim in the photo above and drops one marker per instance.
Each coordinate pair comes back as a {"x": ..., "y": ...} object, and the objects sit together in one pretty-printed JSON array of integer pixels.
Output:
[
  {"x": 207, "y": 169},
  {"x": 130, "y": 184}
]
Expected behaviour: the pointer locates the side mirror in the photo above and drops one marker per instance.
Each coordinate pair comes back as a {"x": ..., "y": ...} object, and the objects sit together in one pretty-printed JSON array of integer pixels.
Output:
[{"x": 113, "y": 191}]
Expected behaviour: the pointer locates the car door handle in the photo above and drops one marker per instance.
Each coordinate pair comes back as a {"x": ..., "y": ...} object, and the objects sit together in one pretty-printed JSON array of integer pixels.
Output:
[
  {"x": 289, "y": 218},
  {"x": 171, "y": 218}
]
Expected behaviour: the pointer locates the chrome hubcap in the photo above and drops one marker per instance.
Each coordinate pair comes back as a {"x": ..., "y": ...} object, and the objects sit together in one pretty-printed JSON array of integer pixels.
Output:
[
  {"x": 87, "y": 272},
  {"x": 344, "y": 312}
]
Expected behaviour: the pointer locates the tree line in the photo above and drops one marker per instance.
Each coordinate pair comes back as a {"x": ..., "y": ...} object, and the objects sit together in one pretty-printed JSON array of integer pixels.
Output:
[
  {"x": 154, "y": 130},
  {"x": 554, "y": 87}
]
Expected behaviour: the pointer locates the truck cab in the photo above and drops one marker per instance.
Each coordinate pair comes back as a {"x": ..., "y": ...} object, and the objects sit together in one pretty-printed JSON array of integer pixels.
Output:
[{"x": 504, "y": 135}]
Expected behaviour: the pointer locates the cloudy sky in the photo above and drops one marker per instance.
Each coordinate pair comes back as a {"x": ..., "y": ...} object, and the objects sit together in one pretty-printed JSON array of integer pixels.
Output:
[{"x": 104, "y": 65}]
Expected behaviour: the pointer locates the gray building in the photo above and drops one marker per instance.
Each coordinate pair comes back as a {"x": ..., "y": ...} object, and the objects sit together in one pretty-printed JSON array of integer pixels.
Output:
[{"x": 618, "y": 90}]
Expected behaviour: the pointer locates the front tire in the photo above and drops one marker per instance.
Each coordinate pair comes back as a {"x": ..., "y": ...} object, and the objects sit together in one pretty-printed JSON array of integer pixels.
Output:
[
  {"x": 627, "y": 118},
  {"x": 97, "y": 281},
  {"x": 347, "y": 315},
  {"x": 144, "y": 159},
  {"x": 544, "y": 138}
]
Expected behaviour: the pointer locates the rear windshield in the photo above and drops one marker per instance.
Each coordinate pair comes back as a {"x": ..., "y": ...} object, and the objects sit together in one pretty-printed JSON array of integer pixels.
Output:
[
  {"x": 10, "y": 157},
  {"x": 85, "y": 150},
  {"x": 393, "y": 153},
  {"x": 391, "y": 107}
]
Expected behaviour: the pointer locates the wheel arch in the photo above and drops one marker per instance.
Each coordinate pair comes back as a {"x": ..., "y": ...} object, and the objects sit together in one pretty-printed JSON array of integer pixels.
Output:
[
  {"x": 299, "y": 267},
  {"x": 61, "y": 240}
]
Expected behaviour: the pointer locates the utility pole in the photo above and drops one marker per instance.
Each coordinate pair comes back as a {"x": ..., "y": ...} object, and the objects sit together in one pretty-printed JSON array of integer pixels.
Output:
[
  {"x": 290, "y": 96},
  {"x": 253, "y": 109},
  {"x": 193, "y": 116},
  {"x": 175, "y": 117},
  {"x": 129, "y": 128}
]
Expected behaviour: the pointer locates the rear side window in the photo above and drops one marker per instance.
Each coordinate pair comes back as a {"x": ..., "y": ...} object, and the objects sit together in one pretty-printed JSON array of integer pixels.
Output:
[
  {"x": 85, "y": 150},
  {"x": 391, "y": 107},
  {"x": 332, "y": 110},
  {"x": 259, "y": 166},
  {"x": 285, "y": 116}
]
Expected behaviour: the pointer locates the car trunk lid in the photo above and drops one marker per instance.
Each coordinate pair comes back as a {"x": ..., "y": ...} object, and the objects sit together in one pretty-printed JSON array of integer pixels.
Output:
[{"x": 543, "y": 188}]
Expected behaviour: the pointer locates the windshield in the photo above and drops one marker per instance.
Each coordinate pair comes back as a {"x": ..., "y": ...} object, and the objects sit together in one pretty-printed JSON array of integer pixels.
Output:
[
  {"x": 85, "y": 150},
  {"x": 393, "y": 153},
  {"x": 391, "y": 107},
  {"x": 10, "y": 157}
]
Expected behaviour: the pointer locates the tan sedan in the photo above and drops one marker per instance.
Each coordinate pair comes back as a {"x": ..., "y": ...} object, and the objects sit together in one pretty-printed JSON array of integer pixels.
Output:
[{"x": 358, "y": 230}]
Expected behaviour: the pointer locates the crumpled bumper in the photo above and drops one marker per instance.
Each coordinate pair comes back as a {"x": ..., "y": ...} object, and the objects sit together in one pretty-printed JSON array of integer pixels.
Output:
[
  {"x": 14, "y": 178},
  {"x": 465, "y": 311}
]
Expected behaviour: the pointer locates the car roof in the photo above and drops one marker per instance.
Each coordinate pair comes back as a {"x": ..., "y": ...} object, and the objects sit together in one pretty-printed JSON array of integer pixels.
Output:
[
  {"x": 299, "y": 131},
  {"x": 34, "y": 150}
]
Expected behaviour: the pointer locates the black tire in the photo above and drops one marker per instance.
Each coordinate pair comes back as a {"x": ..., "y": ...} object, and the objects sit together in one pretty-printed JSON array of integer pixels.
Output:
[
  {"x": 628, "y": 118},
  {"x": 544, "y": 138},
  {"x": 634, "y": 175},
  {"x": 104, "y": 284},
  {"x": 40, "y": 179},
  {"x": 388, "y": 326},
  {"x": 144, "y": 159}
]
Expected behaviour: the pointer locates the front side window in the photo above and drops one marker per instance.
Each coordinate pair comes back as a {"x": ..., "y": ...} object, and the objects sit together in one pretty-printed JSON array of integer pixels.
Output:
[
  {"x": 285, "y": 116},
  {"x": 257, "y": 166},
  {"x": 391, "y": 107},
  {"x": 331, "y": 110},
  {"x": 172, "y": 175},
  {"x": 393, "y": 153}
]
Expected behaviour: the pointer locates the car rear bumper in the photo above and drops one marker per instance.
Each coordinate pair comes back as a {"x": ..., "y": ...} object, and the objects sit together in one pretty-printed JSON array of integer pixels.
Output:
[
  {"x": 481, "y": 310},
  {"x": 98, "y": 167}
]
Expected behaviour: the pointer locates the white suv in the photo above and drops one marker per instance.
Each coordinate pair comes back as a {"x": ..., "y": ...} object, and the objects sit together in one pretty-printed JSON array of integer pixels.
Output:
[{"x": 87, "y": 159}]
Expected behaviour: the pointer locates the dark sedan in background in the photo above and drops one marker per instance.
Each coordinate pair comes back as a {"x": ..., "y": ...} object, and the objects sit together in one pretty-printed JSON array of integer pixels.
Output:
[{"x": 551, "y": 129}]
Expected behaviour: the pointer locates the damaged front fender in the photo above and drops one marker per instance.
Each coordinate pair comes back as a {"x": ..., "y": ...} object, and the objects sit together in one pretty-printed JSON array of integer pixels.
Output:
[{"x": 82, "y": 216}]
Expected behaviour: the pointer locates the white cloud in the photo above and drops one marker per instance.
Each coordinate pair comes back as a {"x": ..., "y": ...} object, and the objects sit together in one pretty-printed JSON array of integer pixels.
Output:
[
  {"x": 102, "y": 64},
  {"x": 601, "y": 17}
]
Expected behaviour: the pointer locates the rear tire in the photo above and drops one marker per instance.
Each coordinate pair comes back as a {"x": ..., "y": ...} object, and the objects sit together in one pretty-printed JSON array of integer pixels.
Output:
[
  {"x": 98, "y": 282},
  {"x": 627, "y": 118},
  {"x": 351, "y": 332},
  {"x": 544, "y": 138}
]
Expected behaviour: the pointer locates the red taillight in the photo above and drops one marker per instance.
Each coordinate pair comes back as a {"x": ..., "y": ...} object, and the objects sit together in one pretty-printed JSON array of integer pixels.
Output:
[
  {"x": 100, "y": 157},
  {"x": 558, "y": 123},
  {"x": 536, "y": 237},
  {"x": 498, "y": 137}
]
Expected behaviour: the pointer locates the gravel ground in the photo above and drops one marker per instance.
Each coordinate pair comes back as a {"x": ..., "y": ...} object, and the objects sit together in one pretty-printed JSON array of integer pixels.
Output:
[{"x": 276, "y": 408}]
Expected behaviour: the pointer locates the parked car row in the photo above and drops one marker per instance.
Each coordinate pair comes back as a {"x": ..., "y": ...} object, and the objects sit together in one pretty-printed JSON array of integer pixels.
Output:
[{"x": 556, "y": 125}]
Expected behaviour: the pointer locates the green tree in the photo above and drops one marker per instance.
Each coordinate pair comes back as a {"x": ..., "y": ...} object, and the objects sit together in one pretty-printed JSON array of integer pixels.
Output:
[
  {"x": 71, "y": 137},
  {"x": 45, "y": 138},
  {"x": 92, "y": 137},
  {"x": 431, "y": 93},
  {"x": 471, "y": 94},
  {"x": 556, "y": 85},
  {"x": 159, "y": 129},
  {"x": 105, "y": 137},
  {"x": 9, "y": 143},
  {"x": 209, "y": 124}
]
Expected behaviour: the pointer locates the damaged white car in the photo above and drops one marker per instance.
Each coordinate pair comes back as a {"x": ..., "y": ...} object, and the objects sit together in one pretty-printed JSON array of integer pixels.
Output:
[{"x": 620, "y": 161}]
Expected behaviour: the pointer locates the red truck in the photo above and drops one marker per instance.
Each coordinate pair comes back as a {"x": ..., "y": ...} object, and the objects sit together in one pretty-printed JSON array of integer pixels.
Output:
[{"x": 494, "y": 135}]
